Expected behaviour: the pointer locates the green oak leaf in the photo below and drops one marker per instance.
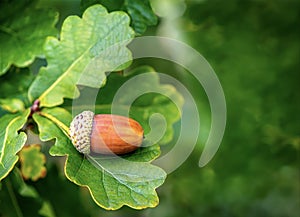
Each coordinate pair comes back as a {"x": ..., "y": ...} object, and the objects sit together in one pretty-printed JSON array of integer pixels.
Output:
[
  {"x": 144, "y": 108},
  {"x": 11, "y": 141},
  {"x": 127, "y": 182},
  {"x": 32, "y": 162},
  {"x": 89, "y": 45},
  {"x": 141, "y": 14},
  {"x": 23, "y": 33},
  {"x": 112, "y": 183},
  {"x": 52, "y": 128}
]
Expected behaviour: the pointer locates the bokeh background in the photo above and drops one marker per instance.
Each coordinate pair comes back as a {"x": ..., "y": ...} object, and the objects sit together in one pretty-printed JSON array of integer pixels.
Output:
[{"x": 254, "y": 49}]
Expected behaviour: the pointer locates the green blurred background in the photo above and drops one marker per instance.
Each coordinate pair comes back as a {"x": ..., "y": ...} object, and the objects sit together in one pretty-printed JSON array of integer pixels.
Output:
[{"x": 254, "y": 49}]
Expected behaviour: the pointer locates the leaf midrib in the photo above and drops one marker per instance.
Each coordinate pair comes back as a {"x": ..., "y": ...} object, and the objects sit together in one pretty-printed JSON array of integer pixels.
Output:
[
  {"x": 114, "y": 176},
  {"x": 63, "y": 75},
  {"x": 110, "y": 30}
]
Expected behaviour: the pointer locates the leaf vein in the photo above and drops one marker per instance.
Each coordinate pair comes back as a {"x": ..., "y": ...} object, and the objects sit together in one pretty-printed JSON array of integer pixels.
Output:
[
  {"x": 6, "y": 136},
  {"x": 63, "y": 75}
]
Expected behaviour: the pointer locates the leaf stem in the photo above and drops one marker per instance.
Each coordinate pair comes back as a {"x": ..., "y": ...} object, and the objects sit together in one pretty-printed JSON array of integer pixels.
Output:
[
  {"x": 60, "y": 124},
  {"x": 13, "y": 198}
]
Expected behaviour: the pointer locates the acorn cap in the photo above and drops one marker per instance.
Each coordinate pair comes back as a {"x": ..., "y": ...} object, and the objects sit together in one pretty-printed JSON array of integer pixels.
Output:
[{"x": 80, "y": 131}]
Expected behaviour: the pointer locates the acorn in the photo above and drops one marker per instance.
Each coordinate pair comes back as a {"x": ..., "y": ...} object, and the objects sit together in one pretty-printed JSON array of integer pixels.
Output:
[{"x": 105, "y": 133}]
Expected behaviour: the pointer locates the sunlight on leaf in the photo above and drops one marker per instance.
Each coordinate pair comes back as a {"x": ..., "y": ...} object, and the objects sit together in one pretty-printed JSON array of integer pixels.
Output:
[{"x": 79, "y": 49}]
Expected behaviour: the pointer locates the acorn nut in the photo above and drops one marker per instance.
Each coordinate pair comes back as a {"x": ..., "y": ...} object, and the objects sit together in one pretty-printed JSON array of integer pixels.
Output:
[{"x": 105, "y": 133}]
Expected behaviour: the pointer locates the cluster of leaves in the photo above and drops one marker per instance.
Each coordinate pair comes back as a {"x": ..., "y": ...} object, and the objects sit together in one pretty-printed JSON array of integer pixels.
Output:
[{"x": 38, "y": 103}]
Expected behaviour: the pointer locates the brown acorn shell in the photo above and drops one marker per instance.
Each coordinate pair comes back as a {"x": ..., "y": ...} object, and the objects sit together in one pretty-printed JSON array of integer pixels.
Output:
[{"x": 114, "y": 134}]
